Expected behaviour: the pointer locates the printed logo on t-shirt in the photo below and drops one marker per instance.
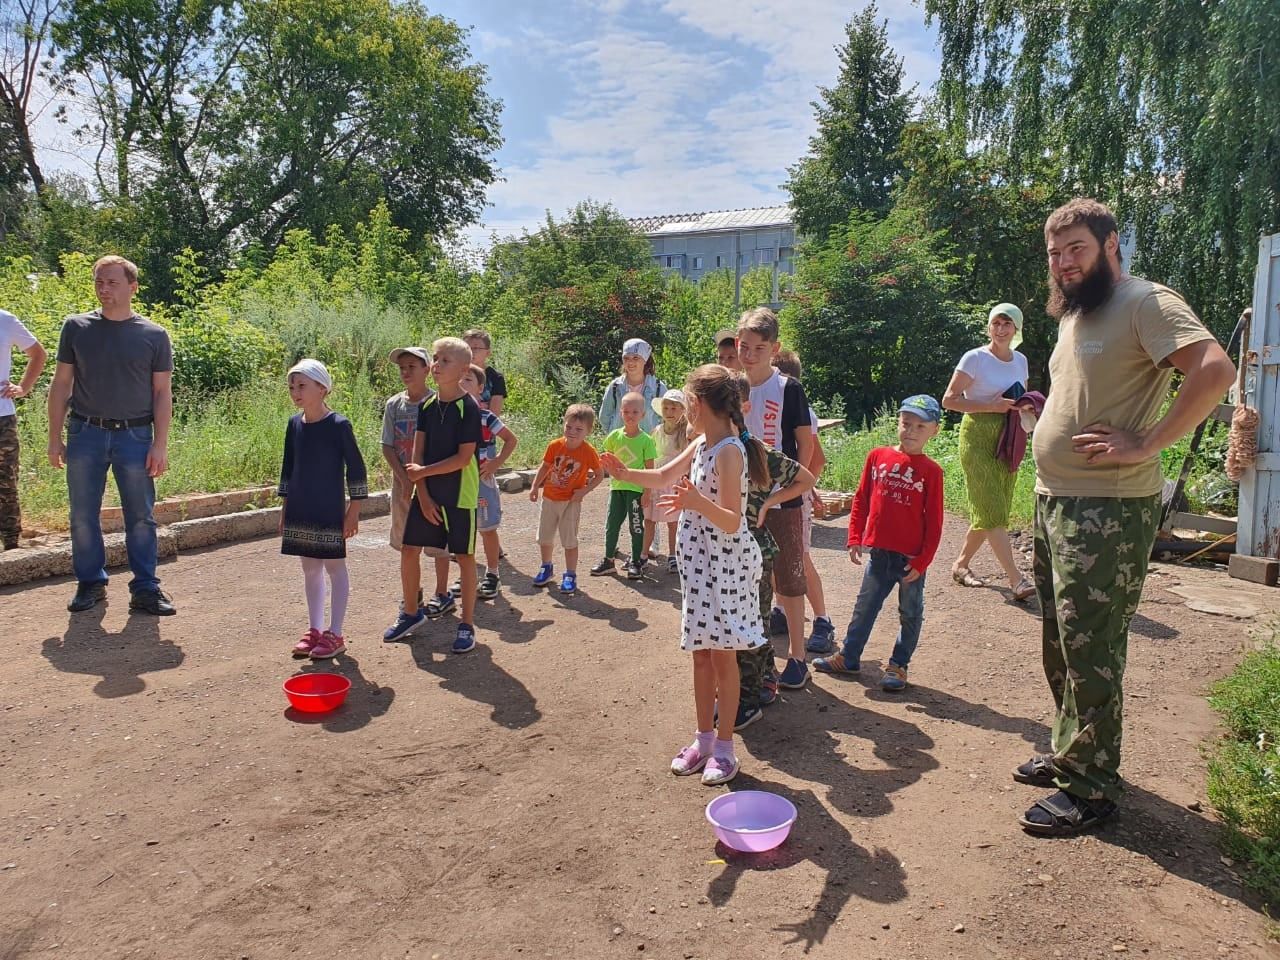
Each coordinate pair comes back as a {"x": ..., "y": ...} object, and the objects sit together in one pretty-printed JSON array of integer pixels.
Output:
[
  {"x": 563, "y": 471},
  {"x": 1089, "y": 348},
  {"x": 896, "y": 483},
  {"x": 402, "y": 430}
]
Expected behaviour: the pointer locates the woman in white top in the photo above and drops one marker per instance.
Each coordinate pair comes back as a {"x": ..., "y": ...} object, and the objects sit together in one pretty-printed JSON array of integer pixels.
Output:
[{"x": 980, "y": 389}]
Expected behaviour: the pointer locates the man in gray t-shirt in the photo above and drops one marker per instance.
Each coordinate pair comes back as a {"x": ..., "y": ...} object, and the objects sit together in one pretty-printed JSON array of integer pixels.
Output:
[{"x": 116, "y": 369}]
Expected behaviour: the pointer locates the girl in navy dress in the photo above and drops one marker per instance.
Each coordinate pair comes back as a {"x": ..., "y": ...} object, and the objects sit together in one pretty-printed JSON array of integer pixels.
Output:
[{"x": 317, "y": 519}]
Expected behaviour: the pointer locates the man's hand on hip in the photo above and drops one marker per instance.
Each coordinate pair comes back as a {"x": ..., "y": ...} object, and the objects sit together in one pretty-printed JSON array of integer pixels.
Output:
[{"x": 1106, "y": 445}]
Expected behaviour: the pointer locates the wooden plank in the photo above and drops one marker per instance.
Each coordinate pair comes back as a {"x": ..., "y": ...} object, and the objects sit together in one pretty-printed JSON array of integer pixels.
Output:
[
  {"x": 1195, "y": 521},
  {"x": 1254, "y": 569},
  {"x": 828, "y": 424}
]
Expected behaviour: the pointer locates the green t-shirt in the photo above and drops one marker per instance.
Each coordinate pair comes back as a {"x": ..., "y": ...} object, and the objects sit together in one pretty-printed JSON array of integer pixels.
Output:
[
  {"x": 633, "y": 452},
  {"x": 782, "y": 473}
]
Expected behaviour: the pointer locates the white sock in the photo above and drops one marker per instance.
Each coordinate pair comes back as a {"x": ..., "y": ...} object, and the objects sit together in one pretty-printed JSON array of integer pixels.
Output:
[
  {"x": 313, "y": 582},
  {"x": 339, "y": 593}
]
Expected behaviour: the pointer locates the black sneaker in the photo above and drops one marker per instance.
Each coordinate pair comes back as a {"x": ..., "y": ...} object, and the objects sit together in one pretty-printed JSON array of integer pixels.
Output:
[
  {"x": 604, "y": 566},
  {"x": 87, "y": 596},
  {"x": 153, "y": 602},
  {"x": 10, "y": 545},
  {"x": 488, "y": 588},
  {"x": 633, "y": 570}
]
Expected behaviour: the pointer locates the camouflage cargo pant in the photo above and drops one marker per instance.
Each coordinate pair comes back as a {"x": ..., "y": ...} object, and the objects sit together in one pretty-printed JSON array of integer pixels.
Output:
[
  {"x": 755, "y": 666},
  {"x": 10, "y": 511},
  {"x": 1090, "y": 562}
]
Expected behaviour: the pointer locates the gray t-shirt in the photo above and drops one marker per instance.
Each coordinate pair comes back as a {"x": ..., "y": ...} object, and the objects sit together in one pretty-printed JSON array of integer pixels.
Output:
[
  {"x": 114, "y": 361},
  {"x": 399, "y": 421}
]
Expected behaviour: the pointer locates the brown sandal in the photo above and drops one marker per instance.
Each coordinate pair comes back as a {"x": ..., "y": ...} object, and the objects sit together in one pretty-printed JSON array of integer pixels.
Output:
[
  {"x": 1024, "y": 591},
  {"x": 964, "y": 576}
]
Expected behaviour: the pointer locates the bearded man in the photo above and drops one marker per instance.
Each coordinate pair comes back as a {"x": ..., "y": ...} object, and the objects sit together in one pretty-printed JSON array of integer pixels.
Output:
[{"x": 1098, "y": 482}]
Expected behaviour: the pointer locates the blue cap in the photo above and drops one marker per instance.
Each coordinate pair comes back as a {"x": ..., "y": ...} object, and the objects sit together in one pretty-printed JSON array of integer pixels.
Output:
[{"x": 923, "y": 406}]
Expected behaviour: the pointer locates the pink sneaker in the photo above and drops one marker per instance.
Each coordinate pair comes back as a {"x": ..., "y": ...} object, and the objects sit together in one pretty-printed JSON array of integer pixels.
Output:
[
  {"x": 688, "y": 761},
  {"x": 303, "y": 647},
  {"x": 330, "y": 645},
  {"x": 719, "y": 770}
]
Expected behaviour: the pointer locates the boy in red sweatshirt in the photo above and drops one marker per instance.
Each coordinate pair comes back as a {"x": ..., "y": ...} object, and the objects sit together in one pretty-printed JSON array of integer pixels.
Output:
[{"x": 897, "y": 514}]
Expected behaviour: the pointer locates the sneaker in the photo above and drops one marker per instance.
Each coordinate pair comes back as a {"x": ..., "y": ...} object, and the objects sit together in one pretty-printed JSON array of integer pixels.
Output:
[
  {"x": 604, "y": 566},
  {"x": 302, "y": 648},
  {"x": 836, "y": 664},
  {"x": 330, "y": 646},
  {"x": 455, "y": 588},
  {"x": 438, "y": 606},
  {"x": 777, "y": 621},
  {"x": 795, "y": 675},
  {"x": 748, "y": 713},
  {"x": 465, "y": 640},
  {"x": 894, "y": 679},
  {"x": 823, "y": 637},
  {"x": 489, "y": 585},
  {"x": 633, "y": 570},
  {"x": 544, "y": 575},
  {"x": 405, "y": 624},
  {"x": 769, "y": 691},
  {"x": 672, "y": 566},
  {"x": 719, "y": 770},
  {"x": 10, "y": 545},
  {"x": 569, "y": 583},
  {"x": 689, "y": 760},
  {"x": 419, "y": 604}
]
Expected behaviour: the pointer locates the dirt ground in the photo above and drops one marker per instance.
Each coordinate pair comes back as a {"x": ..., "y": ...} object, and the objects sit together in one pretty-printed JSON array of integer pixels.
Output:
[{"x": 157, "y": 799}]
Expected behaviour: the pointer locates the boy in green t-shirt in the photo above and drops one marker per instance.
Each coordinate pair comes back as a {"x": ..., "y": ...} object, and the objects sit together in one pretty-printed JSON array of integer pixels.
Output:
[{"x": 637, "y": 450}]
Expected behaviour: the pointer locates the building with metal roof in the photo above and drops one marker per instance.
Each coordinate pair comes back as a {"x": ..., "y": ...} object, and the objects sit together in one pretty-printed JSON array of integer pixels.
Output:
[{"x": 694, "y": 244}]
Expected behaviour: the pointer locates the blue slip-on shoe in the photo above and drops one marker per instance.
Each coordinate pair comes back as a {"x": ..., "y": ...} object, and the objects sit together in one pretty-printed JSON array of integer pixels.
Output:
[
  {"x": 823, "y": 637},
  {"x": 768, "y": 691},
  {"x": 405, "y": 624},
  {"x": 439, "y": 605},
  {"x": 894, "y": 679},
  {"x": 569, "y": 583},
  {"x": 465, "y": 640},
  {"x": 748, "y": 713},
  {"x": 544, "y": 575},
  {"x": 795, "y": 675},
  {"x": 777, "y": 621},
  {"x": 835, "y": 664}
]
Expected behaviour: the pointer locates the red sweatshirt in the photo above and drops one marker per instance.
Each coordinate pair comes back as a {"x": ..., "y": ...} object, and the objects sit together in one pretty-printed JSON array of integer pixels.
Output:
[{"x": 898, "y": 505}]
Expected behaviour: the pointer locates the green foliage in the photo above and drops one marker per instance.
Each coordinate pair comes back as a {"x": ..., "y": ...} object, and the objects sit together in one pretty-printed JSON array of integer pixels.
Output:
[
  {"x": 1163, "y": 108},
  {"x": 852, "y": 161},
  {"x": 875, "y": 314},
  {"x": 692, "y": 313},
  {"x": 1244, "y": 767}
]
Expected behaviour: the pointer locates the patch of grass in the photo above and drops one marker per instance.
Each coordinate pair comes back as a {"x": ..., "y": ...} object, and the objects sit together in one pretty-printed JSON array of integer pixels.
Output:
[
  {"x": 1244, "y": 768},
  {"x": 847, "y": 451}
]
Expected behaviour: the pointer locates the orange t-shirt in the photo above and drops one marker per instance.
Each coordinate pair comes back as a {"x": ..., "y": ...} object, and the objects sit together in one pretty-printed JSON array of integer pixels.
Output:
[{"x": 570, "y": 469}]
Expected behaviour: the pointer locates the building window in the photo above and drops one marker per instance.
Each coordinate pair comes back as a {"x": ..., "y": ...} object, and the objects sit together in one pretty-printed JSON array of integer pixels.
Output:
[
  {"x": 697, "y": 263},
  {"x": 719, "y": 261},
  {"x": 766, "y": 256}
]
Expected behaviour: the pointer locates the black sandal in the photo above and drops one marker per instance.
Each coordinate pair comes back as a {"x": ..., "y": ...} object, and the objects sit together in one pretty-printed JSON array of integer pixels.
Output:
[
  {"x": 1038, "y": 771},
  {"x": 1064, "y": 815}
]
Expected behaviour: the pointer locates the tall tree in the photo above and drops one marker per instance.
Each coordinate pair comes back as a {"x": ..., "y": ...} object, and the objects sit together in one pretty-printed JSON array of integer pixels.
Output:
[
  {"x": 852, "y": 160},
  {"x": 1164, "y": 108},
  {"x": 221, "y": 122},
  {"x": 25, "y": 28}
]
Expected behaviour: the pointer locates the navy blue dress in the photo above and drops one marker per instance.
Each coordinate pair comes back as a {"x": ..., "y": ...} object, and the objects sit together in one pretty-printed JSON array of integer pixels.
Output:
[{"x": 316, "y": 455}]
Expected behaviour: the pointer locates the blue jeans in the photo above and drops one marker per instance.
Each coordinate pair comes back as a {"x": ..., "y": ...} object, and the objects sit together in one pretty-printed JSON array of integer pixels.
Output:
[
  {"x": 90, "y": 452},
  {"x": 883, "y": 569}
]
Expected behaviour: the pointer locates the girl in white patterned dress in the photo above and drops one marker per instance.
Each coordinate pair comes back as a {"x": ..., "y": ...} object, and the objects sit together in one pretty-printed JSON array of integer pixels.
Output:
[{"x": 718, "y": 558}]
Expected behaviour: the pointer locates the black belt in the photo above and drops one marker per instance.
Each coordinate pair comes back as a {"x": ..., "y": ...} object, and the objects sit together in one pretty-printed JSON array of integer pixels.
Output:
[{"x": 106, "y": 423}]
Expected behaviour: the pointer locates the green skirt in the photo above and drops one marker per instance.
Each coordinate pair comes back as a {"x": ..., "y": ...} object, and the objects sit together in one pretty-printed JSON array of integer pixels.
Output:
[{"x": 987, "y": 481}]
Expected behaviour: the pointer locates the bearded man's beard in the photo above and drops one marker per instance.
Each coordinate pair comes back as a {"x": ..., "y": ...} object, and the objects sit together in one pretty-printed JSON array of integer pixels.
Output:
[{"x": 1088, "y": 293}]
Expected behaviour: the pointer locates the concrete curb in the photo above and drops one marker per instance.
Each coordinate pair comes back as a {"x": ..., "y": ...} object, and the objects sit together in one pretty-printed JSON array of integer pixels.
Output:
[{"x": 39, "y": 563}]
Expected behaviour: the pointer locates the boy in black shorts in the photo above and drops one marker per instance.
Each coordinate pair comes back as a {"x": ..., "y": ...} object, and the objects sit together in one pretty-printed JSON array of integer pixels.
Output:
[{"x": 442, "y": 517}]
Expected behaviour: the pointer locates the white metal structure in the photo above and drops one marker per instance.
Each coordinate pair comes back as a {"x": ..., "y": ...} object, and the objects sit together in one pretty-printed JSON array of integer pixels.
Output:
[{"x": 1258, "y": 530}]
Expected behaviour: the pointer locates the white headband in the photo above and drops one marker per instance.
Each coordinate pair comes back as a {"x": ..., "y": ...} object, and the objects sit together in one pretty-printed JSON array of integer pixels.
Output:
[{"x": 313, "y": 370}]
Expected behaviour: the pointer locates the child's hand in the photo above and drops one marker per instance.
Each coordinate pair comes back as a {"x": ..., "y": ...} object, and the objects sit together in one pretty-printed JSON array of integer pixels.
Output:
[
  {"x": 683, "y": 496},
  {"x": 912, "y": 573},
  {"x": 415, "y": 471},
  {"x": 533, "y": 494},
  {"x": 613, "y": 466},
  {"x": 351, "y": 523},
  {"x": 579, "y": 494},
  {"x": 855, "y": 554},
  {"x": 488, "y": 470},
  {"x": 816, "y": 499},
  {"x": 430, "y": 509}
]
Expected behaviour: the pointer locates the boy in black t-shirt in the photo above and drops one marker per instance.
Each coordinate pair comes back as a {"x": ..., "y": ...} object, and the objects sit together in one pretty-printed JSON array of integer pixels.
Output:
[{"x": 442, "y": 517}]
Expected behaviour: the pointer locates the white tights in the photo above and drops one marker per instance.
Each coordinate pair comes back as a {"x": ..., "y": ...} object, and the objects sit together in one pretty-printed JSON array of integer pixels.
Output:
[{"x": 313, "y": 571}]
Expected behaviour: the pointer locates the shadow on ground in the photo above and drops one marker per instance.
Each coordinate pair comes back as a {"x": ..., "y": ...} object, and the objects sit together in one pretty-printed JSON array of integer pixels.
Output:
[
  {"x": 118, "y": 659},
  {"x": 366, "y": 701}
]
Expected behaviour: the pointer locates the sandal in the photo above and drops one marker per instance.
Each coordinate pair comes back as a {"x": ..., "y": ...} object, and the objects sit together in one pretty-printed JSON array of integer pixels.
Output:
[
  {"x": 1024, "y": 591},
  {"x": 1065, "y": 815},
  {"x": 1038, "y": 771},
  {"x": 964, "y": 576}
]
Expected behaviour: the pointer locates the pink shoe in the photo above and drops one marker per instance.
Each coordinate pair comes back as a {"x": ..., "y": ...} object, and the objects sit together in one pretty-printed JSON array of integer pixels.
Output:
[
  {"x": 719, "y": 770},
  {"x": 330, "y": 645},
  {"x": 303, "y": 647},
  {"x": 688, "y": 761}
]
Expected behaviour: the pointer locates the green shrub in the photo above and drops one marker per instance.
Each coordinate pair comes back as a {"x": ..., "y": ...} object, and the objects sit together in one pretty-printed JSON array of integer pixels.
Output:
[{"x": 1244, "y": 767}]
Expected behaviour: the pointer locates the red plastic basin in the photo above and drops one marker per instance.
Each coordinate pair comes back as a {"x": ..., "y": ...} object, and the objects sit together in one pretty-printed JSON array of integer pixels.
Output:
[{"x": 316, "y": 692}]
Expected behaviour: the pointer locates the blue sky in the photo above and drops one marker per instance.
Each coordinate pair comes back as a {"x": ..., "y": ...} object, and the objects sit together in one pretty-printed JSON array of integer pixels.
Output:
[{"x": 656, "y": 106}]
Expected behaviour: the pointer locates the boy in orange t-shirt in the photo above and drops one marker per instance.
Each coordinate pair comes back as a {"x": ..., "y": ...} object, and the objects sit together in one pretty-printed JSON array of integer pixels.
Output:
[{"x": 570, "y": 470}]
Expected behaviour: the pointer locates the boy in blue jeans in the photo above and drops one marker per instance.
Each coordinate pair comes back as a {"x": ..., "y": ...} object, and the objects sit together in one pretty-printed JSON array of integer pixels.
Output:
[{"x": 897, "y": 515}]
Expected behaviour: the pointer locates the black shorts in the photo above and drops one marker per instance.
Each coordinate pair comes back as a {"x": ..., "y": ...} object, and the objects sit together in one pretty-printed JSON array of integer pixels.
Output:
[{"x": 456, "y": 535}]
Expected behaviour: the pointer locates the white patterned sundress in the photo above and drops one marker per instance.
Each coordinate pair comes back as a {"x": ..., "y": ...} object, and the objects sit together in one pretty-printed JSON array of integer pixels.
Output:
[{"x": 721, "y": 571}]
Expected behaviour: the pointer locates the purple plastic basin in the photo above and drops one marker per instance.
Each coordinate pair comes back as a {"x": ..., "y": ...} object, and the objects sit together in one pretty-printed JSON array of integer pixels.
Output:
[{"x": 751, "y": 821}]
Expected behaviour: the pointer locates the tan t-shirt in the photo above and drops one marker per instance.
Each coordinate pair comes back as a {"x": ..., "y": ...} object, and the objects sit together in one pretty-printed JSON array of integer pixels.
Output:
[{"x": 1109, "y": 366}]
